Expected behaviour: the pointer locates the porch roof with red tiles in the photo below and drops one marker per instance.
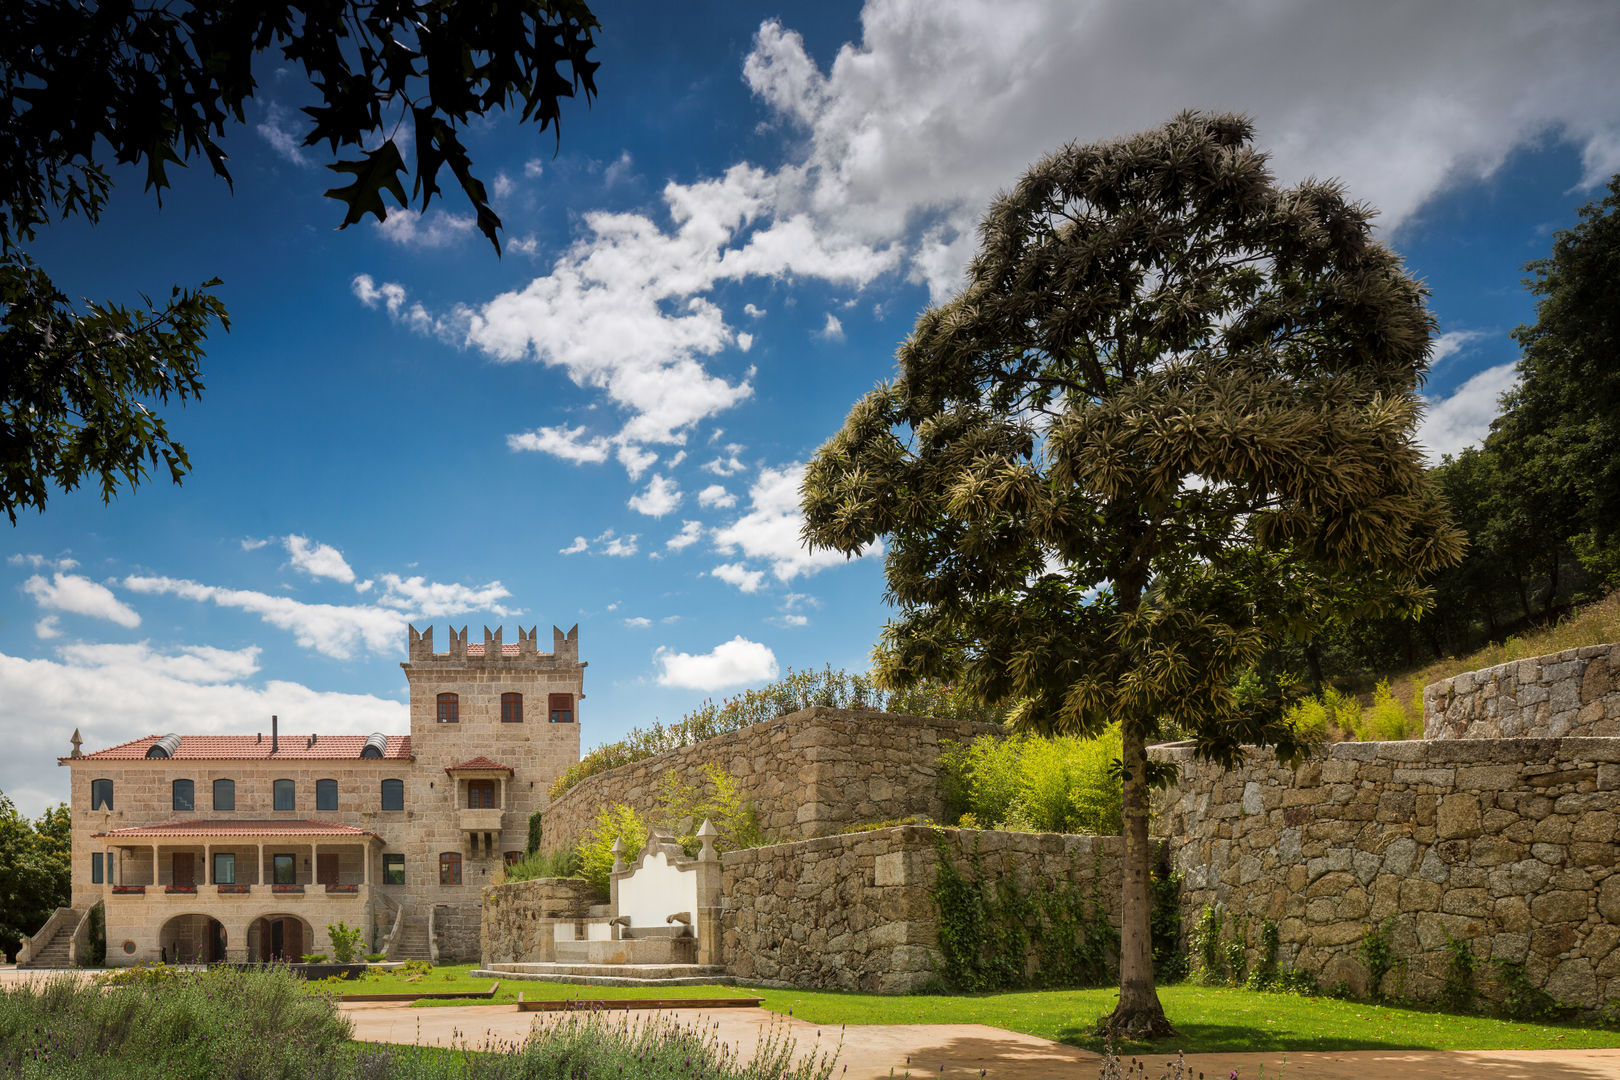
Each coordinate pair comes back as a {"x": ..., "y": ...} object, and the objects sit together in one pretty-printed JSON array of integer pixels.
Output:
[
  {"x": 255, "y": 748},
  {"x": 235, "y": 828},
  {"x": 480, "y": 764}
]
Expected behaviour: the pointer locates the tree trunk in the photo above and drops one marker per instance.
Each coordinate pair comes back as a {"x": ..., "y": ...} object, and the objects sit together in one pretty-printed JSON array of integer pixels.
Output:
[
  {"x": 1139, "y": 1014},
  {"x": 1313, "y": 660}
]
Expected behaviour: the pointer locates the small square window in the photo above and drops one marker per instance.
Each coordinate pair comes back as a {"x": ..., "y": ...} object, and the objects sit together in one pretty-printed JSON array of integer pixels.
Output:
[{"x": 393, "y": 869}]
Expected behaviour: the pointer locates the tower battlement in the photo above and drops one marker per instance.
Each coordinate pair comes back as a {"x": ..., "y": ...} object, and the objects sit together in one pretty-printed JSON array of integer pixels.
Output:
[{"x": 493, "y": 651}]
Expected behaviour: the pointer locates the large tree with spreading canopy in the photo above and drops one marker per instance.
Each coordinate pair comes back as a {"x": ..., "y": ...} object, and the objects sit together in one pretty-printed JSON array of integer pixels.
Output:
[{"x": 1173, "y": 403}]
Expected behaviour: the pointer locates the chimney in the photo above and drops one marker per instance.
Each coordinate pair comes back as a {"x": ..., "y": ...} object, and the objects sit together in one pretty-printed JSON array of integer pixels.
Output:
[{"x": 275, "y": 739}]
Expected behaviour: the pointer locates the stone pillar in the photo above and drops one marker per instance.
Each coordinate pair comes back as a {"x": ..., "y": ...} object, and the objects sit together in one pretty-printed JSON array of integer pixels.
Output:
[
  {"x": 155, "y": 876},
  {"x": 706, "y": 924}
]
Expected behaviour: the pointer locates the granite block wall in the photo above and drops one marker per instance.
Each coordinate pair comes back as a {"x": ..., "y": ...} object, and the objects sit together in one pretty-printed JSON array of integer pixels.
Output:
[
  {"x": 810, "y": 773},
  {"x": 1571, "y": 693},
  {"x": 514, "y": 929}
]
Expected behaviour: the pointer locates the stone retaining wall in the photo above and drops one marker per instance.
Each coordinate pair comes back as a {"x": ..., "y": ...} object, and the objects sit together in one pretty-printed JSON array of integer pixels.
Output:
[
  {"x": 810, "y": 773},
  {"x": 1508, "y": 844},
  {"x": 856, "y": 912},
  {"x": 512, "y": 930},
  {"x": 1572, "y": 693}
]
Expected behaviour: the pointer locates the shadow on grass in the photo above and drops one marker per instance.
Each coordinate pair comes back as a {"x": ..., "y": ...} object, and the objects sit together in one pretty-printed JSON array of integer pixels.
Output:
[{"x": 1207, "y": 1038}]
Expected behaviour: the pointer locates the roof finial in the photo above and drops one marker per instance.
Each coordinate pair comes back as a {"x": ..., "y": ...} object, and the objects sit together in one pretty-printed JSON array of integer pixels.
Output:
[{"x": 77, "y": 742}]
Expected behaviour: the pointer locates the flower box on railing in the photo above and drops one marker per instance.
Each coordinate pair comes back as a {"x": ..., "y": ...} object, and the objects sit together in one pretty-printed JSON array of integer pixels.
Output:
[
  {"x": 128, "y": 890},
  {"x": 233, "y": 890},
  {"x": 286, "y": 888},
  {"x": 180, "y": 889},
  {"x": 343, "y": 888}
]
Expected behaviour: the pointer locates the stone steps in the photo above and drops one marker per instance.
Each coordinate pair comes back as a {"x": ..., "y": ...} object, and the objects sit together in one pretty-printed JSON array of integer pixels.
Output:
[
  {"x": 413, "y": 941},
  {"x": 651, "y": 975},
  {"x": 53, "y": 955}
]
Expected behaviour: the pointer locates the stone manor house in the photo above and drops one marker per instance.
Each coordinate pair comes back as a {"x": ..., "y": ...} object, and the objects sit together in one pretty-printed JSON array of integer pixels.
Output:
[{"x": 245, "y": 847}]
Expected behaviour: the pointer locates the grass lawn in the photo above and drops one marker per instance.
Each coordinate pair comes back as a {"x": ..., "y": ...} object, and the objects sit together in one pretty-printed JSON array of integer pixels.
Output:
[{"x": 1210, "y": 1019}]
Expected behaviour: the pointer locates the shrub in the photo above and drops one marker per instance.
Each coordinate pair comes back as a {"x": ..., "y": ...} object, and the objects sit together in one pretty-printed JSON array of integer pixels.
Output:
[
  {"x": 1387, "y": 719},
  {"x": 1458, "y": 993},
  {"x": 536, "y": 832},
  {"x": 1377, "y": 951},
  {"x": 1522, "y": 1000},
  {"x": 1209, "y": 958},
  {"x": 542, "y": 864},
  {"x": 376, "y": 957},
  {"x": 315, "y": 958},
  {"x": 1031, "y": 784},
  {"x": 345, "y": 941},
  {"x": 615, "y": 822}
]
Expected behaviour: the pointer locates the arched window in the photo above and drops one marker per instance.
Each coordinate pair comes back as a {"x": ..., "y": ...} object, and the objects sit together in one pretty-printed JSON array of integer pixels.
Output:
[
  {"x": 450, "y": 868},
  {"x": 449, "y": 709},
  {"x": 325, "y": 795},
  {"x": 184, "y": 795},
  {"x": 224, "y": 794},
  {"x": 393, "y": 794},
  {"x": 562, "y": 708},
  {"x": 283, "y": 795},
  {"x": 101, "y": 795},
  {"x": 511, "y": 708}
]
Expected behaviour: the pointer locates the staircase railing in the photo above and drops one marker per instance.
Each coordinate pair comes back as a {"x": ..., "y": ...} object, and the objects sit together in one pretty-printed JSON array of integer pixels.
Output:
[
  {"x": 31, "y": 946},
  {"x": 433, "y": 937},
  {"x": 79, "y": 945},
  {"x": 399, "y": 924}
]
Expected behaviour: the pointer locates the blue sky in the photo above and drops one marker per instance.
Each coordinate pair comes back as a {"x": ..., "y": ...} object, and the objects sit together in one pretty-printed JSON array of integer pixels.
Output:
[{"x": 604, "y": 425}]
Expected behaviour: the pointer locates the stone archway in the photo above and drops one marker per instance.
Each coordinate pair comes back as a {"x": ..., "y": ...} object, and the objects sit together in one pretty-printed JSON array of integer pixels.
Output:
[
  {"x": 192, "y": 939},
  {"x": 283, "y": 938}
]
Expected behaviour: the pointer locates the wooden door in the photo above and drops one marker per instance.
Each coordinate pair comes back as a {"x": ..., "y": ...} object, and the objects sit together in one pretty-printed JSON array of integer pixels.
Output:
[
  {"x": 293, "y": 940},
  {"x": 326, "y": 869},
  {"x": 480, "y": 794},
  {"x": 185, "y": 869}
]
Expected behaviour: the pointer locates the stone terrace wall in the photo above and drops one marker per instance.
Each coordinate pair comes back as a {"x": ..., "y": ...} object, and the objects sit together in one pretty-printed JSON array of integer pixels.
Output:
[
  {"x": 810, "y": 773},
  {"x": 513, "y": 930},
  {"x": 1572, "y": 693},
  {"x": 856, "y": 912},
  {"x": 1507, "y": 843}
]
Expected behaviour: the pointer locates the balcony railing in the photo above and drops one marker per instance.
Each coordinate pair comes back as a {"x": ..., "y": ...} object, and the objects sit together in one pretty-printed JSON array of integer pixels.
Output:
[
  {"x": 262, "y": 891},
  {"x": 481, "y": 820}
]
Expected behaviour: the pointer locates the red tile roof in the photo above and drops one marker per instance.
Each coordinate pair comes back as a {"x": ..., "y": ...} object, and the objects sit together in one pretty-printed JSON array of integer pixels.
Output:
[
  {"x": 480, "y": 762},
  {"x": 507, "y": 649},
  {"x": 251, "y": 747},
  {"x": 235, "y": 828}
]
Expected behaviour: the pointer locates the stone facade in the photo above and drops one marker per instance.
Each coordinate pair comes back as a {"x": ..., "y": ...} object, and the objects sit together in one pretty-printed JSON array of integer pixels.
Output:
[
  {"x": 516, "y": 916},
  {"x": 1506, "y": 843},
  {"x": 1572, "y": 693},
  {"x": 146, "y": 913},
  {"x": 810, "y": 773}
]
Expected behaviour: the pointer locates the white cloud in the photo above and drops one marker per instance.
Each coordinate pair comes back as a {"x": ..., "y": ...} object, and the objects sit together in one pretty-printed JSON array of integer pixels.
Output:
[
  {"x": 48, "y": 627},
  {"x": 691, "y": 532},
  {"x": 770, "y": 529},
  {"x": 635, "y": 460},
  {"x": 433, "y": 598},
  {"x": 638, "y": 623},
  {"x": 620, "y": 169},
  {"x": 1464, "y": 418},
  {"x": 732, "y": 663},
  {"x": 746, "y": 580},
  {"x": 533, "y": 168},
  {"x": 504, "y": 185},
  {"x": 526, "y": 244},
  {"x": 575, "y": 548},
  {"x": 745, "y": 342},
  {"x": 250, "y": 544},
  {"x": 717, "y": 497},
  {"x": 79, "y": 595},
  {"x": 434, "y": 229},
  {"x": 752, "y": 311},
  {"x": 192, "y": 689},
  {"x": 413, "y": 315},
  {"x": 833, "y": 330},
  {"x": 43, "y": 562},
  {"x": 619, "y": 547},
  {"x": 791, "y": 620},
  {"x": 275, "y": 130},
  {"x": 729, "y": 464},
  {"x": 680, "y": 456},
  {"x": 1452, "y": 343},
  {"x": 317, "y": 560},
  {"x": 562, "y": 441},
  {"x": 661, "y": 496}
]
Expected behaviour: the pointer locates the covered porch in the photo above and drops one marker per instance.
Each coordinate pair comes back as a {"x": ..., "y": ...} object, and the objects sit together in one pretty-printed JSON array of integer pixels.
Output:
[{"x": 229, "y": 856}]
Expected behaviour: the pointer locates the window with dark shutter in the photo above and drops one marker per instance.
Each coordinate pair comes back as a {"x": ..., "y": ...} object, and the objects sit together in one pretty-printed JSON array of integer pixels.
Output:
[{"x": 562, "y": 708}]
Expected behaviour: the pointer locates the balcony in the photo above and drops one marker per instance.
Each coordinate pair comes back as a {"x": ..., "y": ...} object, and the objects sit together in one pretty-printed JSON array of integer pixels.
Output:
[
  {"x": 480, "y": 821},
  {"x": 254, "y": 894}
]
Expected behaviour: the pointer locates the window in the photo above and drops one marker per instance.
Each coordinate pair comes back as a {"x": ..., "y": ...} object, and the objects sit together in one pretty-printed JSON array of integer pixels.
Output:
[
  {"x": 449, "y": 709},
  {"x": 393, "y": 794},
  {"x": 185, "y": 795},
  {"x": 101, "y": 795},
  {"x": 224, "y": 794},
  {"x": 511, "y": 708},
  {"x": 325, "y": 795},
  {"x": 286, "y": 869},
  {"x": 562, "y": 708},
  {"x": 393, "y": 869},
  {"x": 224, "y": 868},
  {"x": 511, "y": 857},
  {"x": 450, "y": 868},
  {"x": 95, "y": 867},
  {"x": 480, "y": 794},
  {"x": 283, "y": 794}
]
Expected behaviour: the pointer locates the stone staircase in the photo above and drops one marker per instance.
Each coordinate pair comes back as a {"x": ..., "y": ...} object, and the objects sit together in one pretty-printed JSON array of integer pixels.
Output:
[
  {"x": 649, "y": 975},
  {"x": 54, "y": 952},
  {"x": 413, "y": 940}
]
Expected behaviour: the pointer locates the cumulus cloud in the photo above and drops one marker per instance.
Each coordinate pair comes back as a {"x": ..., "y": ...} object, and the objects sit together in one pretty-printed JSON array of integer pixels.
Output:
[
  {"x": 49, "y": 627},
  {"x": 638, "y": 622},
  {"x": 276, "y": 129},
  {"x": 691, "y": 532},
  {"x": 570, "y": 444},
  {"x": 621, "y": 547},
  {"x": 770, "y": 529},
  {"x": 661, "y": 496},
  {"x": 431, "y": 598},
  {"x": 43, "y": 562},
  {"x": 728, "y": 463},
  {"x": 317, "y": 560},
  {"x": 717, "y": 497},
  {"x": 1453, "y": 343},
  {"x": 732, "y": 663},
  {"x": 579, "y": 545},
  {"x": 410, "y": 313},
  {"x": 1464, "y": 418},
  {"x": 78, "y": 595},
  {"x": 752, "y": 311},
  {"x": 250, "y": 544},
  {"x": 832, "y": 330},
  {"x": 635, "y": 459},
  {"x": 746, "y": 580},
  {"x": 504, "y": 185},
  {"x": 192, "y": 689},
  {"x": 533, "y": 168},
  {"x": 434, "y": 229}
]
